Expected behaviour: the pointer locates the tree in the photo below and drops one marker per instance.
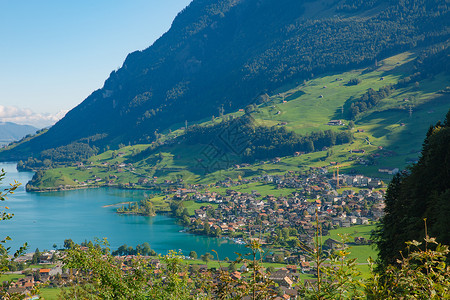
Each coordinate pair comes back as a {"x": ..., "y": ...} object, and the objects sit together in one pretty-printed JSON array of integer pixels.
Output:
[
  {"x": 36, "y": 256},
  {"x": 5, "y": 216},
  {"x": 232, "y": 267},
  {"x": 206, "y": 257},
  {"x": 420, "y": 192},
  {"x": 145, "y": 249},
  {"x": 5, "y": 260},
  {"x": 193, "y": 254},
  {"x": 68, "y": 244},
  {"x": 310, "y": 146},
  {"x": 206, "y": 228},
  {"x": 101, "y": 276},
  {"x": 351, "y": 125}
]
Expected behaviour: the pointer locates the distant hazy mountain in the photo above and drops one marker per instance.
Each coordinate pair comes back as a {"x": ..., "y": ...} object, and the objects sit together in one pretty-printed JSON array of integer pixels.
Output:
[
  {"x": 12, "y": 132},
  {"x": 219, "y": 55}
]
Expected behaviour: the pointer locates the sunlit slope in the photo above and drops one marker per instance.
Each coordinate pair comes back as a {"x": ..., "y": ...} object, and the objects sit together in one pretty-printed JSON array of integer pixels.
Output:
[{"x": 390, "y": 134}]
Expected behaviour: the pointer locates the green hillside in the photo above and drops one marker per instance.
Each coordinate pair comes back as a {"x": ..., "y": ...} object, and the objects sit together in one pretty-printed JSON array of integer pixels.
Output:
[
  {"x": 390, "y": 133},
  {"x": 219, "y": 55}
]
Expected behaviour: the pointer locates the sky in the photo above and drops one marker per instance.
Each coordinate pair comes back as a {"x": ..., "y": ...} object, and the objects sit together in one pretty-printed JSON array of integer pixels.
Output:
[{"x": 55, "y": 53}]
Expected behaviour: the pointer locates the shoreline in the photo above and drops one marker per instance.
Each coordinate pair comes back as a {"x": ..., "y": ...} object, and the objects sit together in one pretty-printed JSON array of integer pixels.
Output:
[
  {"x": 121, "y": 203},
  {"x": 73, "y": 188}
]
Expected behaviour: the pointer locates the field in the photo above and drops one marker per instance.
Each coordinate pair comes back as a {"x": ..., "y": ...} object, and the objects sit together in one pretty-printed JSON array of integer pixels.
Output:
[
  {"x": 49, "y": 293},
  {"x": 263, "y": 189},
  {"x": 360, "y": 252},
  {"x": 10, "y": 277}
]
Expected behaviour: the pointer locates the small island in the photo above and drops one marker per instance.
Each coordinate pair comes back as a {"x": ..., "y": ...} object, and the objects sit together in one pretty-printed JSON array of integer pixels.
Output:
[{"x": 143, "y": 208}]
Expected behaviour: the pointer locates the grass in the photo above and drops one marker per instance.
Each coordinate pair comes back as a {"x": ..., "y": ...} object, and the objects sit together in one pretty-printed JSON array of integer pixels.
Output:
[
  {"x": 360, "y": 252},
  {"x": 48, "y": 293},
  {"x": 263, "y": 189},
  {"x": 192, "y": 206},
  {"x": 353, "y": 231},
  {"x": 10, "y": 277},
  {"x": 43, "y": 266}
]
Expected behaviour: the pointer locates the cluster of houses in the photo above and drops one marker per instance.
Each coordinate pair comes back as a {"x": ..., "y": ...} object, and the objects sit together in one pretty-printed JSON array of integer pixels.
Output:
[
  {"x": 35, "y": 277},
  {"x": 247, "y": 214}
]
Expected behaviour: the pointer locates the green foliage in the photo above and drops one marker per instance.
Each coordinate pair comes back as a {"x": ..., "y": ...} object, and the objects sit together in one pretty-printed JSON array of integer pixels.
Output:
[
  {"x": 145, "y": 207},
  {"x": 102, "y": 276},
  {"x": 421, "y": 192},
  {"x": 367, "y": 101},
  {"x": 5, "y": 261},
  {"x": 254, "y": 284},
  {"x": 193, "y": 254},
  {"x": 262, "y": 142},
  {"x": 354, "y": 81},
  {"x": 422, "y": 274},
  {"x": 69, "y": 244},
  {"x": 337, "y": 275},
  {"x": 143, "y": 249}
]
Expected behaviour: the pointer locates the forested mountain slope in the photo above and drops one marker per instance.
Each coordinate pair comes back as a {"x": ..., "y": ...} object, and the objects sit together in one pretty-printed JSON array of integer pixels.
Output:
[
  {"x": 418, "y": 194},
  {"x": 219, "y": 55}
]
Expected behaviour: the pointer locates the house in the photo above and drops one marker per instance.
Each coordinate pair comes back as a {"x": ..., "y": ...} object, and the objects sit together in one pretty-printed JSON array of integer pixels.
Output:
[
  {"x": 360, "y": 240},
  {"x": 155, "y": 263},
  {"x": 306, "y": 267},
  {"x": 352, "y": 219},
  {"x": 44, "y": 274},
  {"x": 18, "y": 290},
  {"x": 243, "y": 268},
  {"x": 333, "y": 244},
  {"x": 279, "y": 275},
  {"x": 200, "y": 213},
  {"x": 236, "y": 275},
  {"x": 335, "y": 123},
  {"x": 362, "y": 221},
  {"x": 357, "y": 151},
  {"x": 203, "y": 267},
  {"x": 390, "y": 171},
  {"x": 287, "y": 282},
  {"x": 374, "y": 183}
]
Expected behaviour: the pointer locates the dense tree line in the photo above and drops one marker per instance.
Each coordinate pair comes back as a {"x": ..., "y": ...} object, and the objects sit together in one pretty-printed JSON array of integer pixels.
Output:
[
  {"x": 240, "y": 136},
  {"x": 421, "y": 192},
  {"x": 368, "y": 100},
  {"x": 74, "y": 152},
  {"x": 143, "y": 249},
  {"x": 144, "y": 207},
  {"x": 431, "y": 61}
]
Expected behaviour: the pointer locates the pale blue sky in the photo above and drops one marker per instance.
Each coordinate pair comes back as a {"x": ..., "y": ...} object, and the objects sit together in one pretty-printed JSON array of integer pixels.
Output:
[{"x": 54, "y": 53}]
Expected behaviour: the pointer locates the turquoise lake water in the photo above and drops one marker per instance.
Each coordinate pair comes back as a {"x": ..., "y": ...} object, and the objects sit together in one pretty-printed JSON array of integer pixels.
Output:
[{"x": 44, "y": 219}]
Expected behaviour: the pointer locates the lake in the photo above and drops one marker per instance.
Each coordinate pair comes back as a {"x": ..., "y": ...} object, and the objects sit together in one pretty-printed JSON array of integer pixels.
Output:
[{"x": 44, "y": 219}]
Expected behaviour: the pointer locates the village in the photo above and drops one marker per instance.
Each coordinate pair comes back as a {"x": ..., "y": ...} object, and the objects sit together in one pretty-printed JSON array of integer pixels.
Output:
[
  {"x": 284, "y": 225},
  {"x": 283, "y": 222}
]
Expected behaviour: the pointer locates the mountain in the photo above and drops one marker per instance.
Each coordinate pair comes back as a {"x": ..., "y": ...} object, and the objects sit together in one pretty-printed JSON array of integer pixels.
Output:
[
  {"x": 10, "y": 132},
  {"x": 218, "y": 56},
  {"x": 290, "y": 131}
]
